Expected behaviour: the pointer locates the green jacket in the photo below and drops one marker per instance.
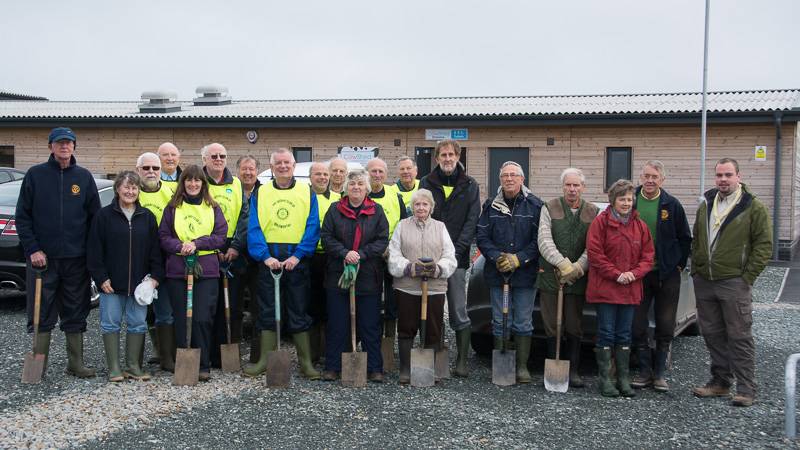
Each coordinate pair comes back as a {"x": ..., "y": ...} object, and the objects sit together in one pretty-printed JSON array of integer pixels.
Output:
[{"x": 744, "y": 241}]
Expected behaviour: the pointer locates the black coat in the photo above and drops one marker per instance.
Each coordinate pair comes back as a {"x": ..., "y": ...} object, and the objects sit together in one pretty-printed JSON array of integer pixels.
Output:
[
  {"x": 338, "y": 234},
  {"x": 673, "y": 235},
  {"x": 121, "y": 253},
  {"x": 459, "y": 212}
]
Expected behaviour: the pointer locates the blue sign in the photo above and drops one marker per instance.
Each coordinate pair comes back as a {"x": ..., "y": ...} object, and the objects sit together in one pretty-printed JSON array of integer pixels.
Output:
[{"x": 459, "y": 133}]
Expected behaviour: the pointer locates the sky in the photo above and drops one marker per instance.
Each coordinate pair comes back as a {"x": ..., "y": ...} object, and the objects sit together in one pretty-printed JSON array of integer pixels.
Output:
[{"x": 106, "y": 50}]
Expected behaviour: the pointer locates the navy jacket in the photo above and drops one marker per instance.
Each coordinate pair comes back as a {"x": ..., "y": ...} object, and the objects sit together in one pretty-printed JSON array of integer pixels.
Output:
[
  {"x": 673, "y": 235},
  {"x": 515, "y": 231},
  {"x": 55, "y": 209},
  {"x": 124, "y": 253}
]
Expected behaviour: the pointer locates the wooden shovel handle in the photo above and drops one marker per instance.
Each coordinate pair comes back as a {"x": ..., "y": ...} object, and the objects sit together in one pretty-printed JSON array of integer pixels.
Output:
[
  {"x": 353, "y": 315},
  {"x": 37, "y": 309},
  {"x": 559, "y": 313}
]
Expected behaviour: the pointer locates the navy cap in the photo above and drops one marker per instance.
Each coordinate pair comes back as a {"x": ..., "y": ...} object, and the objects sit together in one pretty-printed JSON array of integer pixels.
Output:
[{"x": 57, "y": 134}]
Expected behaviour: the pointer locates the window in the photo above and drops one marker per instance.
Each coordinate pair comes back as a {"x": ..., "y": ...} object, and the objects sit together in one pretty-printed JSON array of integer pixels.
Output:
[
  {"x": 302, "y": 154},
  {"x": 618, "y": 165},
  {"x": 7, "y": 155}
]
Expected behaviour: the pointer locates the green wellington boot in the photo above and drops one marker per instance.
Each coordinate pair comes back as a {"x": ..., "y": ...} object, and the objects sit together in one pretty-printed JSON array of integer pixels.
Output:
[
  {"x": 42, "y": 347},
  {"x": 462, "y": 343},
  {"x": 268, "y": 343},
  {"x": 111, "y": 344},
  {"x": 622, "y": 354},
  {"x": 156, "y": 358},
  {"x": 75, "y": 365},
  {"x": 523, "y": 352},
  {"x": 303, "y": 345},
  {"x": 404, "y": 352},
  {"x": 134, "y": 348},
  {"x": 603, "y": 355},
  {"x": 166, "y": 347}
]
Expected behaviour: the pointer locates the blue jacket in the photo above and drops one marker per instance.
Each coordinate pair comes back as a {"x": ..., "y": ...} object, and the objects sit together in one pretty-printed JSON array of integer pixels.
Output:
[
  {"x": 55, "y": 209},
  {"x": 510, "y": 231},
  {"x": 673, "y": 236}
]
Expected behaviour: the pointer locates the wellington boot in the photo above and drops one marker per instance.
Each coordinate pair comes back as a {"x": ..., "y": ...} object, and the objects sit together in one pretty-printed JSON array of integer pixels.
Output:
[
  {"x": 111, "y": 344},
  {"x": 574, "y": 353},
  {"x": 390, "y": 328},
  {"x": 523, "y": 352},
  {"x": 42, "y": 347},
  {"x": 462, "y": 343},
  {"x": 156, "y": 357},
  {"x": 134, "y": 348},
  {"x": 303, "y": 345},
  {"x": 622, "y": 354},
  {"x": 75, "y": 365},
  {"x": 313, "y": 336},
  {"x": 404, "y": 350},
  {"x": 267, "y": 343},
  {"x": 659, "y": 380},
  {"x": 166, "y": 347},
  {"x": 603, "y": 355}
]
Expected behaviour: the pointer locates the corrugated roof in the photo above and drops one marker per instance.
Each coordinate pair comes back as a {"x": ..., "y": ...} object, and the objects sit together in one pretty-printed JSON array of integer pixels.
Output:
[
  {"x": 5, "y": 95},
  {"x": 347, "y": 109}
]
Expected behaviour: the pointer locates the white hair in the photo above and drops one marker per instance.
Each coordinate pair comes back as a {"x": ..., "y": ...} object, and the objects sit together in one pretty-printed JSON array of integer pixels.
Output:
[
  {"x": 515, "y": 164},
  {"x": 141, "y": 158},
  {"x": 279, "y": 151},
  {"x": 423, "y": 194},
  {"x": 573, "y": 171},
  {"x": 358, "y": 174}
]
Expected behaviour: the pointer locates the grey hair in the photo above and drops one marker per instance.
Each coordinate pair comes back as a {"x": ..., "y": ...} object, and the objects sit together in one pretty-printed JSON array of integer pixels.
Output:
[
  {"x": 140, "y": 159},
  {"x": 656, "y": 164},
  {"x": 573, "y": 171},
  {"x": 336, "y": 158},
  {"x": 204, "y": 150},
  {"x": 423, "y": 194},
  {"x": 247, "y": 157},
  {"x": 407, "y": 158},
  {"x": 128, "y": 176},
  {"x": 378, "y": 160},
  {"x": 452, "y": 143},
  {"x": 515, "y": 164},
  {"x": 358, "y": 174},
  {"x": 279, "y": 151},
  {"x": 618, "y": 189}
]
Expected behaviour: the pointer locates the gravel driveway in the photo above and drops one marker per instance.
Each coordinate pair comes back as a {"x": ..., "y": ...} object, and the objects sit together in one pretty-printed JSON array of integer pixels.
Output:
[{"x": 234, "y": 412}]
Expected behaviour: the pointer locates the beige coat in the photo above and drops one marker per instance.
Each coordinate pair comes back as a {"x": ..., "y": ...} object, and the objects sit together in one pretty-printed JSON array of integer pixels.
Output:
[{"x": 414, "y": 239}]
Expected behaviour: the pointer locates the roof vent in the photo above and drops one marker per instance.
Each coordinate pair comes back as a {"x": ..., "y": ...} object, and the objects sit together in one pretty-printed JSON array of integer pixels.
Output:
[
  {"x": 159, "y": 102},
  {"x": 211, "y": 96}
]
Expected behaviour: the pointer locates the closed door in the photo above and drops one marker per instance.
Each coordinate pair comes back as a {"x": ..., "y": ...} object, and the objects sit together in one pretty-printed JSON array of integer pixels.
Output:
[
  {"x": 424, "y": 156},
  {"x": 498, "y": 156}
]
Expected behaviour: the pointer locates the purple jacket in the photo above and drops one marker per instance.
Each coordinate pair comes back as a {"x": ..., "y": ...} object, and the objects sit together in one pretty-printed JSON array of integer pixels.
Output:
[{"x": 175, "y": 267}]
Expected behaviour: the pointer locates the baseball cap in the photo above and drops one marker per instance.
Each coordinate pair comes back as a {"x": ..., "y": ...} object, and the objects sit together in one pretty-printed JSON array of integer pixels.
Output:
[{"x": 57, "y": 134}]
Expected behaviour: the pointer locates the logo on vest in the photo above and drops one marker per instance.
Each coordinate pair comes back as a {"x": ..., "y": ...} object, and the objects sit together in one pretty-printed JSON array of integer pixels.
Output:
[{"x": 76, "y": 190}]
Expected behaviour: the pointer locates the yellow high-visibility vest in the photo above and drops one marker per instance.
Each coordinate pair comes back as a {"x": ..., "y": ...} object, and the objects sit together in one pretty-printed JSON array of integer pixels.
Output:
[
  {"x": 158, "y": 200},
  {"x": 194, "y": 221},
  {"x": 407, "y": 194},
  {"x": 323, "y": 204},
  {"x": 390, "y": 205},
  {"x": 229, "y": 198},
  {"x": 282, "y": 213}
]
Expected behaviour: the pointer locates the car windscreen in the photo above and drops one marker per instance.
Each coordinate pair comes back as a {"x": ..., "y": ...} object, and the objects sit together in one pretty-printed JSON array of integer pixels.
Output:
[{"x": 9, "y": 193}]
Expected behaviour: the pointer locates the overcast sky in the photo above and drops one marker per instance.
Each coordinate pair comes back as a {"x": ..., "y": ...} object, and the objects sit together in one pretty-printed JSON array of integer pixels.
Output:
[{"x": 107, "y": 50}]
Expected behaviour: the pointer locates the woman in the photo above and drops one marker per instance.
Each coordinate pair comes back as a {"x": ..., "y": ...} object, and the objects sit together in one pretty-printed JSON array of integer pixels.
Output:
[
  {"x": 192, "y": 224},
  {"x": 620, "y": 253},
  {"x": 355, "y": 232},
  {"x": 122, "y": 249},
  {"x": 420, "y": 247}
]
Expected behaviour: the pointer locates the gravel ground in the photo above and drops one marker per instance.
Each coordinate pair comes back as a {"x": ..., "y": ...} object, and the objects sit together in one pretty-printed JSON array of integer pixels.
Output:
[{"x": 233, "y": 412}]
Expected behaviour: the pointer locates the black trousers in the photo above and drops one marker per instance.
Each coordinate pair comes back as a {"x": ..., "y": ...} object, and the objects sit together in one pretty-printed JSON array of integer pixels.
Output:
[
  {"x": 204, "y": 303},
  {"x": 317, "y": 307},
  {"x": 295, "y": 288},
  {"x": 65, "y": 295},
  {"x": 663, "y": 296}
]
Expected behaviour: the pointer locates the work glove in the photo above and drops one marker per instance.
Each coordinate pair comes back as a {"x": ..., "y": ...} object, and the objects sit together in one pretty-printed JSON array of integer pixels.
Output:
[
  {"x": 428, "y": 269},
  {"x": 507, "y": 262},
  {"x": 571, "y": 277},
  {"x": 565, "y": 267},
  {"x": 349, "y": 275}
]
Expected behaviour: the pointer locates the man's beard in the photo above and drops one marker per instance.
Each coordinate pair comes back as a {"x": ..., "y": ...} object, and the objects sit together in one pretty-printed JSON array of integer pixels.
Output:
[{"x": 150, "y": 184}]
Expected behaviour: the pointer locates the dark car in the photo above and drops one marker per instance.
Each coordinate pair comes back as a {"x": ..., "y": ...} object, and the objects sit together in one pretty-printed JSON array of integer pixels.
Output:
[
  {"x": 8, "y": 174},
  {"x": 12, "y": 257}
]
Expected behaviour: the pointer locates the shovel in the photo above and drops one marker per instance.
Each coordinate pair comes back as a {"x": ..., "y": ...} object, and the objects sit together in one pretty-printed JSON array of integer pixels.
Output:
[
  {"x": 387, "y": 352},
  {"x": 354, "y": 364},
  {"x": 556, "y": 372},
  {"x": 33, "y": 368},
  {"x": 422, "y": 364},
  {"x": 504, "y": 362},
  {"x": 278, "y": 375},
  {"x": 187, "y": 360},
  {"x": 229, "y": 353}
]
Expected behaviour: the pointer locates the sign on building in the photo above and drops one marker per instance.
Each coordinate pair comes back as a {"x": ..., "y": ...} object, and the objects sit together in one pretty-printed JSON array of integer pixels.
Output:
[
  {"x": 438, "y": 134},
  {"x": 761, "y": 153},
  {"x": 358, "y": 154}
]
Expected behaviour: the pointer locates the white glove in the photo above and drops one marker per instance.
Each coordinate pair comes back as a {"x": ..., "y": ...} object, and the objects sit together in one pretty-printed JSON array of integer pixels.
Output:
[{"x": 145, "y": 292}]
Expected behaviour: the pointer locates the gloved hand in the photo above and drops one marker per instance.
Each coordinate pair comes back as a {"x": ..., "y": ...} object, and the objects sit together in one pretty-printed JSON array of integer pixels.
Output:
[
  {"x": 507, "y": 262},
  {"x": 414, "y": 270},
  {"x": 574, "y": 275},
  {"x": 565, "y": 267},
  {"x": 426, "y": 269},
  {"x": 349, "y": 275}
]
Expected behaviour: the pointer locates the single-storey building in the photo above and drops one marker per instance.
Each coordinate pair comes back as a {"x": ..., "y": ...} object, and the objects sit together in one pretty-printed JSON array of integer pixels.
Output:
[{"x": 608, "y": 136}]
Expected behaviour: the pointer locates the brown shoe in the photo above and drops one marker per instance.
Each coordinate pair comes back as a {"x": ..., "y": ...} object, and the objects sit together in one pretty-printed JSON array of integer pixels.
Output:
[
  {"x": 660, "y": 385},
  {"x": 204, "y": 377},
  {"x": 641, "y": 382},
  {"x": 711, "y": 390},
  {"x": 329, "y": 375},
  {"x": 375, "y": 377},
  {"x": 742, "y": 400}
]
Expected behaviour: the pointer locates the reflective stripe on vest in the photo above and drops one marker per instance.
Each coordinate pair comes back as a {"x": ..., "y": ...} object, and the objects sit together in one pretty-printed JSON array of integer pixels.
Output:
[
  {"x": 158, "y": 200},
  {"x": 323, "y": 204},
  {"x": 194, "y": 221},
  {"x": 282, "y": 213},
  {"x": 229, "y": 198},
  {"x": 391, "y": 206},
  {"x": 407, "y": 194}
]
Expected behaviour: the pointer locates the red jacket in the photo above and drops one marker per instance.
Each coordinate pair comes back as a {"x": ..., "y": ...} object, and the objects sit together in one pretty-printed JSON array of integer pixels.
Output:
[{"x": 614, "y": 248}]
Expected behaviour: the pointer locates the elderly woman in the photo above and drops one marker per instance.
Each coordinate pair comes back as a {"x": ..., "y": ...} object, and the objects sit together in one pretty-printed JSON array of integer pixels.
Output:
[
  {"x": 355, "y": 232},
  {"x": 192, "y": 224},
  {"x": 620, "y": 253},
  {"x": 420, "y": 247},
  {"x": 121, "y": 250}
]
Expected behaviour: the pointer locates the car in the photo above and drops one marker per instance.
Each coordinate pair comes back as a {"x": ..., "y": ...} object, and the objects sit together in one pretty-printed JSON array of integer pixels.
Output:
[
  {"x": 302, "y": 171},
  {"x": 12, "y": 257},
  {"x": 8, "y": 174},
  {"x": 479, "y": 309}
]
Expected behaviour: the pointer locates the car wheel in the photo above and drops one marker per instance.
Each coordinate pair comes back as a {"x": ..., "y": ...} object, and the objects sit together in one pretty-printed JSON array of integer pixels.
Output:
[
  {"x": 94, "y": 296},
  {"x": 482, "y": 343}
]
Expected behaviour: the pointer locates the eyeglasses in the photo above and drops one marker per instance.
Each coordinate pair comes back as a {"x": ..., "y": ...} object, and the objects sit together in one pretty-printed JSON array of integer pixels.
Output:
[
  {"x": 149, "y": 168},
  {"x": 220, "y": 156},
  {"x": 510, "y": 175}
]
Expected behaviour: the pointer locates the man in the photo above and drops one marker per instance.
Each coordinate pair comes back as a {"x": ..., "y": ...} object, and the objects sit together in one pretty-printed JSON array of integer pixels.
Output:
[
  {"x": 395, "y": 210},
  {"x": 458, "y": 205},
  {"x": 170, "y": 158},
  {"x": 408, "y": 183},
  {"x": 56, "y": 204},
  {"x": 338, "y": 170},
  {"x": 666, "y": 219},
  {"x": 155, "y": 195},
  {"x": 226, "y": 190},
  {"x": 507, "y": 238},
  {"x": 732, "y": 244},
  {"x": 325, "y": 198},
  {"x": 563, "y": 225},
  {"x": 283, "y": 233}
]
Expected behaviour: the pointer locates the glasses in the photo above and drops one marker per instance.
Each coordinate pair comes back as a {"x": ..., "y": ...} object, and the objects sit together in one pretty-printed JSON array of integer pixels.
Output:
[
  {"x": 510, "y": 175},
  {"x": 149, "y": 168},
  {"x": 220, "y": 156}
]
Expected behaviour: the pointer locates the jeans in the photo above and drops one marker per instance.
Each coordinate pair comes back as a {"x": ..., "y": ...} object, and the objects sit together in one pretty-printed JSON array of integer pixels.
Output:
[
  {"x": 457, "y": 300},
  {"x": 113, "y": 306},
  {"x": 162, "y": 306},
  {"x": 520, "y": 310},
  {"x": 614, "y": 324}
]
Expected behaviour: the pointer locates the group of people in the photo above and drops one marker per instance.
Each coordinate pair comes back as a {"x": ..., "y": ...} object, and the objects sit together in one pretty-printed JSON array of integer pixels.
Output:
[{"x": 349, "y": 228}]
